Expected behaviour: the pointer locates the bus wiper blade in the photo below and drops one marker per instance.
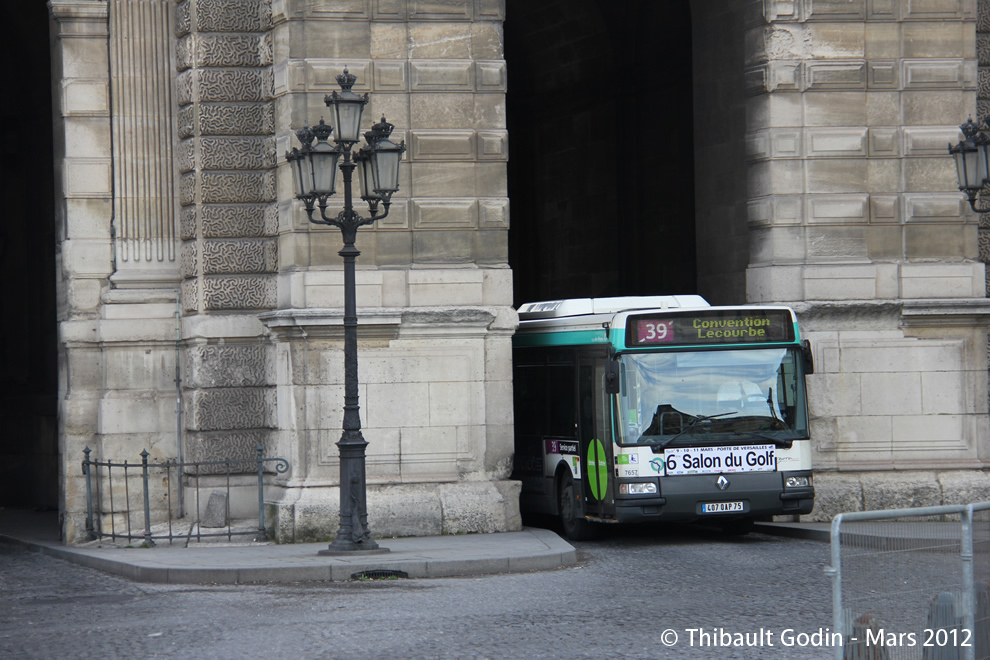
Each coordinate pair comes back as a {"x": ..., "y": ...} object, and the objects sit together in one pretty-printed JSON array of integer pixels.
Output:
[{"x": 660, "y": 446}]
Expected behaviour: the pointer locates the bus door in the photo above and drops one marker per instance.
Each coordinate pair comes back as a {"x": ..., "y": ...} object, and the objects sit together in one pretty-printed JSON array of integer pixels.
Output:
[{"x": 596, "y": 438}]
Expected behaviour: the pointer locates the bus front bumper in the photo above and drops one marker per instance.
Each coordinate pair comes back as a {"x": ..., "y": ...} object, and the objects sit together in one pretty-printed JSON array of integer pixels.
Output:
[{"x": 747, "y": 494}]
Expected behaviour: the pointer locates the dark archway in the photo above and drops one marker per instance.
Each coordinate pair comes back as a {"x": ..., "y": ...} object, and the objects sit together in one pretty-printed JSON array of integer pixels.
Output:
[
  {"x": 601, "y": 168},
  {"x": 28, "y": 369}
]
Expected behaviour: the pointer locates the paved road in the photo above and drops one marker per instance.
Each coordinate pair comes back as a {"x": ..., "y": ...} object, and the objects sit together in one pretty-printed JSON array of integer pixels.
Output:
[{"x": 626, "y": 591}]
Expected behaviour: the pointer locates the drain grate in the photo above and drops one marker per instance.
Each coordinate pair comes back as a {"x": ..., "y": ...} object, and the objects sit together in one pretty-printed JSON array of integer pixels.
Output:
[{"x": 381, "y": 574}]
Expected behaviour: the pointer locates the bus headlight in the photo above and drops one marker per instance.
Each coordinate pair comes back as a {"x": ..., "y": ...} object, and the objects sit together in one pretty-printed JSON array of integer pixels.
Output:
[
  {"x": 797, "y": 482},
  {"x": 638, "y": 489}
]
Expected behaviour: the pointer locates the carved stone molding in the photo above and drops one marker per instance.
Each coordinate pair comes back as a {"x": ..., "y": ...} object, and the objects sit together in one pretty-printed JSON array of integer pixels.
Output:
[
  {"x": 228, "y": 365},
  {"x": 240, "y": 256},
  {"x": 228, "y": 292},
  {"x": 231, "y": 408},
  {"x": 226, "y": 445}
]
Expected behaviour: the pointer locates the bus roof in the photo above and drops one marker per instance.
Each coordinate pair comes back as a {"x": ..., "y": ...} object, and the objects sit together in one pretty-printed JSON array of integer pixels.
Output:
[{"x": 553, "y": 309}]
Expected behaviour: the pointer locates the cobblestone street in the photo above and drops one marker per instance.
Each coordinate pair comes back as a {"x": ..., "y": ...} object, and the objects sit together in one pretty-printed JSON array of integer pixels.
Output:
[{"x": 626, "y": 591}]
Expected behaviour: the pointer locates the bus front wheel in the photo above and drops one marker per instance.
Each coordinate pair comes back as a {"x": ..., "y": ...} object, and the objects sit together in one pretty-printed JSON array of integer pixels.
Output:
[{"x": 576, "y": 528}]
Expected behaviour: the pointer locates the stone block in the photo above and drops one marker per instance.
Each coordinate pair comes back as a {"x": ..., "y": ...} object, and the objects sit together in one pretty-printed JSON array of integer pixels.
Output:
[
  {"x": 901, "y": 355},
  {"x": 497, "y": 290},
  {"x": 456, "y": 403},
  {"x": 838, "y": 209},
  {"x": 137, "y": 412},
  {"x": 778, "y": 244},
  {"x": 394, "y": 249},
  {"x": 231, "y": 408},
  {"x": 415, "y": 511},
  {"x": 87, "y": 177},
  {"x": 774, "y": 284},
  {"x": 840, "y": 282},
  {"x": 476, "y": 507},
  {"x": 886, "y": 243},
  {"x": 964, "y": 487},
  {"x": 775, "y": 177},
  {"x": 898, "y": 490},
  {"x": 442, "y": 110},
  {"x": 882, "y": 75},
  {"x": 863, "y": 440},
  {"x": 933, "y": 241},
  {"x": 883, "y": 108},
  {"x": 389, "y": 41},
  {"x": 90, "y": 218},
  {"x": 442, "y": 75},
  {"x": 443, "y": 247},
  {"x": 882, "y": 40},
  {"x": 487, "y": 40},
  {"x": 836, "y": 394},
  {"x": 891, "y": 393},
  {"x": 821, "y": 76},
  {"x": 837, "y": 243},
  {"x": 933, "y": 39},
  {"x": 440, "y": 41},
  {"x": 837, "y": 40},
  {"x": 445, "y": 287},
  {"x": 925, "y": 435},
  {"x": 835, "y": 108},
  {"x": 933, "y": 108},
  {"x": 215, "y": 514},
  {"x": 390, "y": 77},
  {"x": 398, "y": 405},
  {"x": 837, "y": 176},
  {"x": 836, "y": 493},
  {"x": 836, "y": 142},
  {"x": 491, "y": 247},
  {"x": 944, "y": 393}
]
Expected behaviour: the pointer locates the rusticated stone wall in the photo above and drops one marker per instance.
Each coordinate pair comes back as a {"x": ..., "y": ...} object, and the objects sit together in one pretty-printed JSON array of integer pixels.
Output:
[
  {"x": 226, "y": 155},
  {"x": 983, "y": 107},
  {"x": 229, "y": 219}
]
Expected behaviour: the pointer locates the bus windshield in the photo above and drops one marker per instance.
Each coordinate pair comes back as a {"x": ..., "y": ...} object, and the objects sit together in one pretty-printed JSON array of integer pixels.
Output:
[{"x": 711, "y": 397}]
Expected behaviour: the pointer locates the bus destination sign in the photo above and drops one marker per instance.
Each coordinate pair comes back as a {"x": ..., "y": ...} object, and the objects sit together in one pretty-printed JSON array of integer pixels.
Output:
[{"x": 736, "y": 326}]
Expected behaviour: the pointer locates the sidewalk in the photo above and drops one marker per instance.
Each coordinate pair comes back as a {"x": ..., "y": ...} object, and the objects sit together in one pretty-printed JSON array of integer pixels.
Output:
[
  {"x": 419, "y": 557},
  {"x": 531, "y": 549}
]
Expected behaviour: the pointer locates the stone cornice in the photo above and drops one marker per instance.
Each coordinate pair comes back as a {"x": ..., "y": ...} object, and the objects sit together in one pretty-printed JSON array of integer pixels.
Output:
[
  {"x": 92, "y": 10},
  {"x": 926, "y": 312}
]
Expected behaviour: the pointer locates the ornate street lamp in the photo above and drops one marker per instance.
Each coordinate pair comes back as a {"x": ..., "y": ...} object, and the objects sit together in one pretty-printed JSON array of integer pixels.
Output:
[
  {"x": 972, "y": 156},
  {"x": 314, "y": 174}
]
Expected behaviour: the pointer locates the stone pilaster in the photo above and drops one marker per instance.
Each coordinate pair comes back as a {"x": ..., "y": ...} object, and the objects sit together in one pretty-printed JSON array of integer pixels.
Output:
[
  {"x": 83, "y": 208},
  {"x": 145, "y": 203},
  {"x": 226, "y": 156}
]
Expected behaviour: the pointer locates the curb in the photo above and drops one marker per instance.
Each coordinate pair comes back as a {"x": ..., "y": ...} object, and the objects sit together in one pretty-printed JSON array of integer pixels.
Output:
[{"x": 543, "y": 550}]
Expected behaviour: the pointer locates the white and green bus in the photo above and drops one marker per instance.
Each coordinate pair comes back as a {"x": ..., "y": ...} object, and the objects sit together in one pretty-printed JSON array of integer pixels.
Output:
[{"x": 662, "y": 408}]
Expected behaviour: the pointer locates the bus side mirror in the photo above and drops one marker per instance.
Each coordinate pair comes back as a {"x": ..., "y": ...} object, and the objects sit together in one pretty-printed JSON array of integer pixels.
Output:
[
  {"x": 612, "y": 377},
  {"x": 808, "y": 357}
]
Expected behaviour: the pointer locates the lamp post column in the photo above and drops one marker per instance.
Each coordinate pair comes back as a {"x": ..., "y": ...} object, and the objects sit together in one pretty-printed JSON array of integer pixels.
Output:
[
  {"x": 314, "y": 169},
  {"x": 353, "y": 533}
]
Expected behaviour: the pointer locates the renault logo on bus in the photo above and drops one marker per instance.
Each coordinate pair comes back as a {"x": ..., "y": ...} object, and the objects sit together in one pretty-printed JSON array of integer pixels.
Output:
[{"x": 722, "y": 482}]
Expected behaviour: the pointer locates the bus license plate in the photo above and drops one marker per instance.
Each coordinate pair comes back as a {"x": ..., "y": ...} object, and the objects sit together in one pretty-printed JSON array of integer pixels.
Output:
[{"x": 721, "y": 507}]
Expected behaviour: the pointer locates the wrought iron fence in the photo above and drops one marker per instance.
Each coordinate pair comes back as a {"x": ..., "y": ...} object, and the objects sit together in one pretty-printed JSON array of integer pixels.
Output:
[
  {"x": 118, "y": 491},
  {"x": 912, "y": 583}
]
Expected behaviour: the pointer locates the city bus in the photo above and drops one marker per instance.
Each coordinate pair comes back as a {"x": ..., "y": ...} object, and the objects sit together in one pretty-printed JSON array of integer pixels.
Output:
[{"x": 660, "y": 408}]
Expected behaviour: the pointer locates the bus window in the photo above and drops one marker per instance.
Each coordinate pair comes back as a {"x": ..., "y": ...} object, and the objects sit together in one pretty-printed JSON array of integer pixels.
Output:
[{"x": 732, "y": 391}]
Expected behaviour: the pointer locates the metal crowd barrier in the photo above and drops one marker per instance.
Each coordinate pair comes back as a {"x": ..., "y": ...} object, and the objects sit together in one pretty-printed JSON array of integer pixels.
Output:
[
  {"x": 109, "y": 499},
  {"x": 912, "y": 583}
]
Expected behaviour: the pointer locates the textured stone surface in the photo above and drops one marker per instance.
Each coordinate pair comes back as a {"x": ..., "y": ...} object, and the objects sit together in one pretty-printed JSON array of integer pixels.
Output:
[{"x": 215, "y": 514}]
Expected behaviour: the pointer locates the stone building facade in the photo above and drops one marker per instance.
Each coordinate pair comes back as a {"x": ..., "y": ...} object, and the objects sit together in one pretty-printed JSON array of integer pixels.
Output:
[{"x": 180, "y": 249}]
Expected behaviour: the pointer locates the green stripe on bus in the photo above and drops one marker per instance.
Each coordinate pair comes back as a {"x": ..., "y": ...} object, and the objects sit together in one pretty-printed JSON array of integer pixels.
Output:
[{"x": 558, "y": 338}]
